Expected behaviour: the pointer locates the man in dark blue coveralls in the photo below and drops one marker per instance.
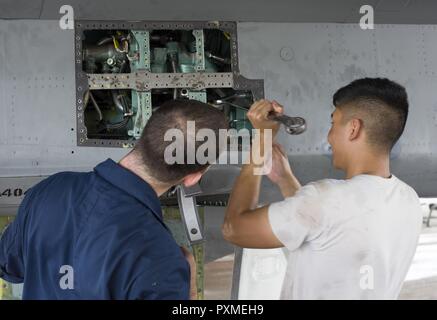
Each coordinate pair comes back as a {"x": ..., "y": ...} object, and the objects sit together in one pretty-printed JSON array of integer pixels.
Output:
[{"x": 100, "y": 234}]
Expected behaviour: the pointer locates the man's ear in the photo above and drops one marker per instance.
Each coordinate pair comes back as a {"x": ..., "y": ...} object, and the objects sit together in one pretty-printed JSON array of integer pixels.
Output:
[
  {"x": 356, "y": 126},
  {"x": 192, "y": 178}
]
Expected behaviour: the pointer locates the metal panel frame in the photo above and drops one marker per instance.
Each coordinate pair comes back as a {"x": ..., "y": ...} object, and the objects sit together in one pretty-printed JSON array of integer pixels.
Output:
[{"x": 144, "y": 80}]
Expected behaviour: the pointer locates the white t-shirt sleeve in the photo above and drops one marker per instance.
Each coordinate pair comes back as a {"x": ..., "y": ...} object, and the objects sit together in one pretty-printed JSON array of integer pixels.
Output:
[{"x": 298, "y": 218}]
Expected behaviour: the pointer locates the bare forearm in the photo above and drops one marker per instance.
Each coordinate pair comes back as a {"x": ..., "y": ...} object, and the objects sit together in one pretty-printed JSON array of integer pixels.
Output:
[
  {"x": 289, "y": 186},
  {"x": 245, "y": 193}
]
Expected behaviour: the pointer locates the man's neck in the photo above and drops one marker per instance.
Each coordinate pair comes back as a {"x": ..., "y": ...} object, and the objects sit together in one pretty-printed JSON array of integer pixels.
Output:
[
  {"x": 369, "y": 164},
  {"x": 133, "y": 164}
]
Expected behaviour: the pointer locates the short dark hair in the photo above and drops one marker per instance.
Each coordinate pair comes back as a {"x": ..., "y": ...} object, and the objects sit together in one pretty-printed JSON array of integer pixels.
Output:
[
  {"x": 381, "y": 104},
  {"x": 170, "y": 115}
]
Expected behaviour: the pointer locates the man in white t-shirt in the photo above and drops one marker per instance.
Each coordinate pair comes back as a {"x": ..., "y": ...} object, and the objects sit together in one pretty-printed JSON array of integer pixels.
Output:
[{"x": 348, "y": 239}]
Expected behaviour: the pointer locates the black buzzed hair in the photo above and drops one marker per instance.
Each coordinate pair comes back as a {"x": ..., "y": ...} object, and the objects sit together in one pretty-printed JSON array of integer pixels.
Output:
[
  {"x": 174, "y": 114},
  {"x": 380, "y": 103}
]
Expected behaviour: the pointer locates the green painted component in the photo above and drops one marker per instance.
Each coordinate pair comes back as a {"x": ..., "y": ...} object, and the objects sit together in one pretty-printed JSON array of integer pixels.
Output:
[
  {"x": 113, "y": 115},
  {"x": 242, "y": 121},
  {"x": 142, "y": 108},
  {"x": 173, "y": 220},
  {"x": 186, "y": 61},
  {"x": 199, "y": 256},
  {"x": 172, "y": 47},
  {"x": 209, "y": 66},
  {"x": 189, "y": 61},
  {"x": 197, "y": 95},
  {"x": 6, "y": 291},
  {"x": 200, "y": 52},
  {"x": 159, "y": 60},
  {"x": 4, "y": 222},
  {"x": 239, "y": 119},
  {"x": 141, "y": 101},
  {"x": 142, "y": 49}
]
